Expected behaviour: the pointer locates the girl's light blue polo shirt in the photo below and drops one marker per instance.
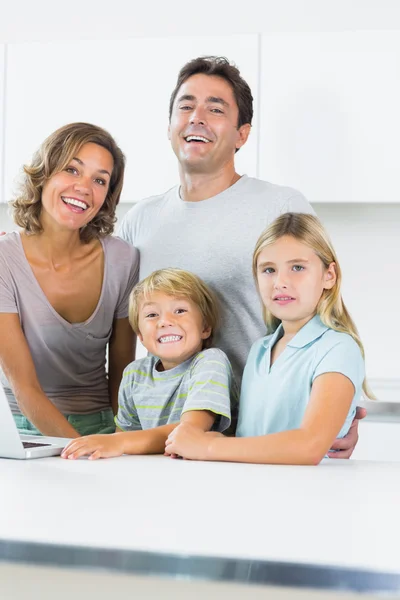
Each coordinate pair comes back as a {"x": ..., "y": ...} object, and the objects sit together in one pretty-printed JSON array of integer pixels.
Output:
[{"x": 275, "y": 398}]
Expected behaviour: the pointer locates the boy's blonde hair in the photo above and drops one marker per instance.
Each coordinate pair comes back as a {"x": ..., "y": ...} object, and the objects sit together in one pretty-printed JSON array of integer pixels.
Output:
[
  {"x": 180, "y": 283},
  {"x": 331, "y": 309}
]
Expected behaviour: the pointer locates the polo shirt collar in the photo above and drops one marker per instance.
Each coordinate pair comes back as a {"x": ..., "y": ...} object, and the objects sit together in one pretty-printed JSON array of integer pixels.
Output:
[{"x": 307, "y": 334}]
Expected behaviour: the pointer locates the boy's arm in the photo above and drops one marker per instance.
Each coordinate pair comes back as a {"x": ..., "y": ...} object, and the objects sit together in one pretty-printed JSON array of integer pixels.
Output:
[
  {"x": 152, "y": 441},
  {"x": 210, "y": 388},
  {"x": 147, "y": 441}
]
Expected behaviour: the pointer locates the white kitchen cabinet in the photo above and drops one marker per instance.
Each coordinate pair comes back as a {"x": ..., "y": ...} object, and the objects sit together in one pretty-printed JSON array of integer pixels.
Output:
[
  {"x": 123, "y": 86},
  {"x": 330, "y": 118},
  {"x": 378, "y": 440}
]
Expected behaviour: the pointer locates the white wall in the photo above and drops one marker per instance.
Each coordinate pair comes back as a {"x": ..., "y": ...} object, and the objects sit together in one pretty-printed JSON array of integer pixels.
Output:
[{"x": 366, "y": 235}]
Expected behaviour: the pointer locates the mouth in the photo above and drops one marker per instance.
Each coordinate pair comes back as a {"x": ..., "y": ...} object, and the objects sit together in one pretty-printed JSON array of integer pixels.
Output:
[
  {"x": 283, "y": 300},
  {"x": 169, "y": 339},
  {"x": 196, "y": 138},
  {"x": 79, "y": 205}
]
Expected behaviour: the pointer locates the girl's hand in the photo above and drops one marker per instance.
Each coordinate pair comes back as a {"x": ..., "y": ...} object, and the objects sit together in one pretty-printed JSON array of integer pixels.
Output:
[
  {"x": 188, "y": 441},
  {"x": 95, "y": 446}
]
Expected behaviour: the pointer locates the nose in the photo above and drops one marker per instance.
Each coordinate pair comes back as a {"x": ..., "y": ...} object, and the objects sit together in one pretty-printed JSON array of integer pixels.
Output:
[
  {"x": 280, "y": 281},
  {"x": 198, "y": 116},
  {"x": 82, "y": 185},
  {"x": 165, "y": 320}
]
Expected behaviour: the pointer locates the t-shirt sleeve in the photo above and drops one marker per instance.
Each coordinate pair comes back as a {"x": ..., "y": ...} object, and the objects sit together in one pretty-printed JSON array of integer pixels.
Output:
[
  {"x": 297, "y": 203},
  {"x": 8, "y": 303},
  {"x": 127, "y": 417},
  {"x": 122, "y": 309},
  {"x": 210, "y": 385},
  {"x": 343, "y": 357},
  {"x": 126, "y": 229}
]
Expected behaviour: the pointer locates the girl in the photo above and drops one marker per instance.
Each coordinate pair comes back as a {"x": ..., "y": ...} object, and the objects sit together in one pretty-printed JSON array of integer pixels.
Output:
[{"x": 302, "y": 381}]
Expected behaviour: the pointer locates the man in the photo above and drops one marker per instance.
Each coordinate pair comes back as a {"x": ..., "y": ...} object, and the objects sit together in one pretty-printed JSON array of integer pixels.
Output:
[{"x": 211, "y": 222}]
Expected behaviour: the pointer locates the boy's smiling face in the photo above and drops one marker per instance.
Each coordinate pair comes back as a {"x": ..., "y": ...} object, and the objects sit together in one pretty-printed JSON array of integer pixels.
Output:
[{"x": 171, "y": 327}]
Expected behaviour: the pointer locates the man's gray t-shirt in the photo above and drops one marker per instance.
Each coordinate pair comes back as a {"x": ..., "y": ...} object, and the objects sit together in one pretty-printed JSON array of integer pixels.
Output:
[
  {"x": 69, "y": 358},
  {"x": 149, "y": 398},
  {"x": 215, "y": 239}
]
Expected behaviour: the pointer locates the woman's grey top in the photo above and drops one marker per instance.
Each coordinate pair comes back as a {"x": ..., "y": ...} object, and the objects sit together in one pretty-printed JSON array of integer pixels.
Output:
[{"x": 70, "y": 358}]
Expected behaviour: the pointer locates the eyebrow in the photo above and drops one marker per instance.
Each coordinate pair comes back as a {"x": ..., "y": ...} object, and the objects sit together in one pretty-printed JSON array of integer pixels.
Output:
[
  {"x": 146, "y": 304},
  {"x": 210, "y": 99},
  {"x": 78, "y": 160},
  {"x": 289, "y": 262}
]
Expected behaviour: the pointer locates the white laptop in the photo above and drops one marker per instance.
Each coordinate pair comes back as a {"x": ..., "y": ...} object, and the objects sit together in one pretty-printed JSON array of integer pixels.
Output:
[{"x": 14, "y": 445}]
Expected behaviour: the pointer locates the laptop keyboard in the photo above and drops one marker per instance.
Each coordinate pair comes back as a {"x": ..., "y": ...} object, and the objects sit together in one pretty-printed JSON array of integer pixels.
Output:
[{"x": 33, "y": 445}]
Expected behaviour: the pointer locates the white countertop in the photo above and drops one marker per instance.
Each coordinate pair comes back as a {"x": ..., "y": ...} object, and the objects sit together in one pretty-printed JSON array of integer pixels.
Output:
[{"x": 339, "y": 514}]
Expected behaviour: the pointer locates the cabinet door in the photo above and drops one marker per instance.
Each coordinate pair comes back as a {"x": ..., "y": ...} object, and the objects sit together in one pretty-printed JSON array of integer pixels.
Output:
[
  {"x": 378, "y": 441},
  {"x": 123, "y": 86},
  {"x": 330, "y": 118}
]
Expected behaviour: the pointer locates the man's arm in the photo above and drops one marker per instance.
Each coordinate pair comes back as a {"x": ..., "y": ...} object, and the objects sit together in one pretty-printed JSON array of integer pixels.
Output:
[{"x": 345, "y": 446}]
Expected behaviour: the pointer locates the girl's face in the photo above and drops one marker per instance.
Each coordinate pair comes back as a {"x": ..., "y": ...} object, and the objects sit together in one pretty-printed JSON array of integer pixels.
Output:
[{"x": 291, "y": 279}]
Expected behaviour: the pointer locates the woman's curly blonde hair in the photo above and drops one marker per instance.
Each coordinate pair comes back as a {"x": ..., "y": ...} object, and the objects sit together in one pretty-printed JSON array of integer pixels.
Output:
[{"x": 52, "y": 157}]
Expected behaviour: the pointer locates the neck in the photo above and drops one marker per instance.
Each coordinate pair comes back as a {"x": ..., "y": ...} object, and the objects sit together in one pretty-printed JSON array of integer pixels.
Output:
[
  {"x": 54, "y": 247},
  {"x": 290, "y": 328},
  {"x": 201, "y": 186}
]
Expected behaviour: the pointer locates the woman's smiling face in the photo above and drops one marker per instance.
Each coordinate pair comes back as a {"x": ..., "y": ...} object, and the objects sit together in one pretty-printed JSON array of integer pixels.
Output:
[{"x": 73, "y": 197}]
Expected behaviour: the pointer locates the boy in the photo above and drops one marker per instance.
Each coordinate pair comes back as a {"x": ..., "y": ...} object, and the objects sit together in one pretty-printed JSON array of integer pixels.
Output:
[{"x": 183, "y": 379}]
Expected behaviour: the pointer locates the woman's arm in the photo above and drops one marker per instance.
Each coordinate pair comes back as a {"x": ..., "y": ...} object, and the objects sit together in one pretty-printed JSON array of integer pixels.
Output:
[
  {"x": 17, "y": 364},
  {"x": 330, "y": 401},
  {"x": 121, "y": 352}
]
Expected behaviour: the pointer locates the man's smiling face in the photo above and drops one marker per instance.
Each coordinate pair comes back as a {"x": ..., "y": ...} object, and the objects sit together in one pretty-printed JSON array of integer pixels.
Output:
[{"x": 204, "y": 129}]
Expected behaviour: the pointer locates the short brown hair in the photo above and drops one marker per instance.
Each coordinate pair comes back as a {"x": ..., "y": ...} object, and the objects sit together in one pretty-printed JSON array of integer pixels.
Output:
[
  {"x": 180, "y": 283},
  {"x": 52, "y": 157},
  {"x": 219, "y": 66}
]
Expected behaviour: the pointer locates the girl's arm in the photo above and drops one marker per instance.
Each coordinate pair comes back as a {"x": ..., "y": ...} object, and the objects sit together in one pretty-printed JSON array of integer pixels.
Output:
[
  {"x": 330, "y": 401},
  {"x": 17, "y": 364},
  {"x": 121, "y": 352}
]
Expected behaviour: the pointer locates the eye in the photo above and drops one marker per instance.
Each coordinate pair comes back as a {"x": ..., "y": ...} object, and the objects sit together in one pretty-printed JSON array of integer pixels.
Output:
[
  {"x": 185, "y": 107},
  {"x": 71, "y": 170},
  {"x": 217, "y": 110},
  {"x": 180, "y": 311},
  {"x": 268, "y": 270},
  {"x": 150, "y": 315},
  {"x": 298, "y": 268},
  {"x": 100, "y": 181}
]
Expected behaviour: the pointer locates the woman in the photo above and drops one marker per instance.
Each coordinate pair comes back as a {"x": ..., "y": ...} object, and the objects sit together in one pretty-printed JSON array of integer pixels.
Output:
[{"x": 64, "y": 288}]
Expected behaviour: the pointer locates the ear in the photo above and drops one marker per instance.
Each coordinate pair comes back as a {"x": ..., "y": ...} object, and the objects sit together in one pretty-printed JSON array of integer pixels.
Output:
[
  {"x": 206, "y": 332},
  {"x": 140, "y": 336},
  {"x": 330, "y": 276},
  {"x": 169, "y": 132},
  {"x": 243, "y": 134}
]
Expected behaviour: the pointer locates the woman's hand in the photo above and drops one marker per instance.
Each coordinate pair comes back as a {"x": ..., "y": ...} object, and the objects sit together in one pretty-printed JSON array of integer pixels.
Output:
[
  {"x": 95, "y": 446},
  {"x": 188, "y": 441}
]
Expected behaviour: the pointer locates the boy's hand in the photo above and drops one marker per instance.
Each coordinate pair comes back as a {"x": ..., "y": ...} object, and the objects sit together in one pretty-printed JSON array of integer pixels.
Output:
[
  {"x": 188, "y": 441},
  {"x": 95, "y": 446}
]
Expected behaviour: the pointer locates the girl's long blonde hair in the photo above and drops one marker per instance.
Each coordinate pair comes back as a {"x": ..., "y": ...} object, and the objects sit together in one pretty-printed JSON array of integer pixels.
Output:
[{"x": 331, "y": 308}]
